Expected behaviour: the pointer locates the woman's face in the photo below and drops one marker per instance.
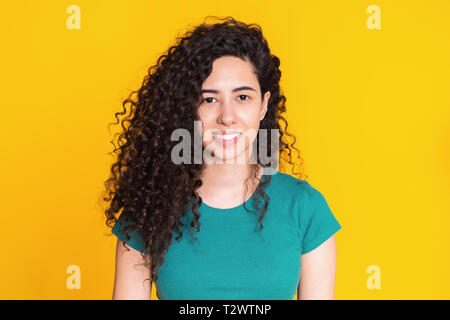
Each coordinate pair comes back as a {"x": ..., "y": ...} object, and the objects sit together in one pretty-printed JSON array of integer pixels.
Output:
[{"x": 231, "y": 109}]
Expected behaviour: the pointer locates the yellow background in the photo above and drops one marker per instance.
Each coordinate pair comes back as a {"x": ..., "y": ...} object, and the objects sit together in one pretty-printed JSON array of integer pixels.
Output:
[{"x": 369, "y": 108}]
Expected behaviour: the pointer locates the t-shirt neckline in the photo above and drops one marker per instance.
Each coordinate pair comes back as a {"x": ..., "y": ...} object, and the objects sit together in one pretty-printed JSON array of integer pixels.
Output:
[{"x": 241, "y": 206}]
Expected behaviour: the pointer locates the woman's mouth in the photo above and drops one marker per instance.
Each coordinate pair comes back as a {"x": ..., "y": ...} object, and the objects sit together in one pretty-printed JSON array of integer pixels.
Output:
[{"x": 227, "y": 139}]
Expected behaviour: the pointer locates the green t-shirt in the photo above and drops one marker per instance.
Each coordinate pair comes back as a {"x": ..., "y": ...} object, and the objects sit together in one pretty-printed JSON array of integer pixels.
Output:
[{"x": 230, "y": 260}]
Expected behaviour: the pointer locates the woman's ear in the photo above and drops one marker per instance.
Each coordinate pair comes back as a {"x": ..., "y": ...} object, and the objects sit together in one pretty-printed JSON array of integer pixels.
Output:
[{"x": 264, "y": 105}]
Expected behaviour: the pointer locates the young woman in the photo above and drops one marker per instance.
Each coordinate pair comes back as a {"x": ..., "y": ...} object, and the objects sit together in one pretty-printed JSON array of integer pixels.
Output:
[{"x": 225, "y": 227}]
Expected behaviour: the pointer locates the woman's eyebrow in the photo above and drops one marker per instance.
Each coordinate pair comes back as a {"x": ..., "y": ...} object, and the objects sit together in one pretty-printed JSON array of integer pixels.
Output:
[{"x": 234, "y": 90}]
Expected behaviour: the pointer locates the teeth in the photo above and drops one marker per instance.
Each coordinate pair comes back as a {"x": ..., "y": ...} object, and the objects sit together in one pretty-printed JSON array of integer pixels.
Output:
[{"x": 227, "y": 136}]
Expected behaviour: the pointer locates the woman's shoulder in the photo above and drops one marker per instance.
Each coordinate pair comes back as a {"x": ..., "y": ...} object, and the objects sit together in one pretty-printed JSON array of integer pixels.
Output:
[
  {"x": 284, "y": 183},
  {"x": 290, "y": 189}
]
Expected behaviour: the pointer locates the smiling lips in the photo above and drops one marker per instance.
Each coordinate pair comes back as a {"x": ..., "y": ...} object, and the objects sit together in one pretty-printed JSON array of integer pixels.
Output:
[{"x": 227, "y": 139}]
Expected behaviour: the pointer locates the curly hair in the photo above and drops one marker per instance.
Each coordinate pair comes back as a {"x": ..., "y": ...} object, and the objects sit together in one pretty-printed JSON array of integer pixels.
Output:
[{"x": 145, "y": 186}]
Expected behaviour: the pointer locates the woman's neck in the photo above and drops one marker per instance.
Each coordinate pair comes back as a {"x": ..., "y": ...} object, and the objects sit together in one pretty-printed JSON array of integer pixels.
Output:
[{"x": 226, "y": 185}]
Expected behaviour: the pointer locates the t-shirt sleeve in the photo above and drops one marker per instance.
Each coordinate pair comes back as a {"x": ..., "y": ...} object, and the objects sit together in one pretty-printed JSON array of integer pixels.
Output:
[
  {"x": 136, "y": 241},
  {"x": 317, "y": 222}
]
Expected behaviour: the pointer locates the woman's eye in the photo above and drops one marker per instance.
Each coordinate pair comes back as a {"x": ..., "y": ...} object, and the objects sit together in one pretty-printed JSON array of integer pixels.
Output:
[
  {"x": 243, "y": 97},
  {"x": 207, "y": 99}
]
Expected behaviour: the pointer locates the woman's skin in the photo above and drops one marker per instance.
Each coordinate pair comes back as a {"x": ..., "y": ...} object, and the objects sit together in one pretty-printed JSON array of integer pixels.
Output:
[
  {"x": 224, "y": 109},
  {"x": 318, "y": 272},
  {"x": 130, "y": 275},
  {"x": 223, "y": 185}
]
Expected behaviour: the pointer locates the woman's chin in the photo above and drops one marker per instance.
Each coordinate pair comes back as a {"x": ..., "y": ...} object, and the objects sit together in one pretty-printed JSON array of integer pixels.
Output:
[{"x": 228, "y": 156}]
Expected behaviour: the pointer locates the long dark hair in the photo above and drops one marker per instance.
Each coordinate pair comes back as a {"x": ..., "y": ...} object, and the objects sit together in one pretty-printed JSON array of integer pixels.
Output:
[{"x": 151, "y": 192}]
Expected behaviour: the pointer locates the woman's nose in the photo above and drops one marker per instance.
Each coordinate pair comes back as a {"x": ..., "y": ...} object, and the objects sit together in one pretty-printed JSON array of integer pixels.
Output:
[{"x": 227, "y": 114}]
